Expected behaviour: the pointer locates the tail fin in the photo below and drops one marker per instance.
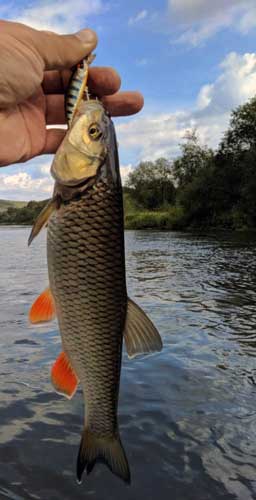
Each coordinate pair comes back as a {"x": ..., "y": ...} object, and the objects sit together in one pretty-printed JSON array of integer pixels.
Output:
[{"x": 108, "y": 450}]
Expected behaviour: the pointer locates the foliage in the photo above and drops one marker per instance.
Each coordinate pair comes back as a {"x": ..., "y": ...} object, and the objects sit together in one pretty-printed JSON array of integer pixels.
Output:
[
  {"x": 5, "y": 204},
  {"x": 192, "y": 160},
  {"x": 24, "y": 215},
  {"x": 151, "y": 184},
  {"x": 241, "y": 134},
  {"x": 218, "y": 190},
  {"x": 173, "y": 218}
]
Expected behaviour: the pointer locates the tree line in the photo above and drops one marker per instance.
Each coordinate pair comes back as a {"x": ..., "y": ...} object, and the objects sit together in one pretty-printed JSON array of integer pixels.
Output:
[
  {"x": 25, "y": 215},
  {"x": 202, "y": 187}
]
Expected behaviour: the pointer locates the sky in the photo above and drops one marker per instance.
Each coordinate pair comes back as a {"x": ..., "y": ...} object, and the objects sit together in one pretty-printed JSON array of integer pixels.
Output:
[{"x": 193, "y": 60}]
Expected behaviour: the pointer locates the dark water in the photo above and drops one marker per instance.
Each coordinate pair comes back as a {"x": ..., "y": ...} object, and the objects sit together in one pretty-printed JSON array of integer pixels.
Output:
[{"x": 187, "y": 415}]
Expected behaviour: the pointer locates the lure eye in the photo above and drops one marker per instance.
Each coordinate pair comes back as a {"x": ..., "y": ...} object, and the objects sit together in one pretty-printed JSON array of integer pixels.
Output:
[{"x": 95, "y": 132}]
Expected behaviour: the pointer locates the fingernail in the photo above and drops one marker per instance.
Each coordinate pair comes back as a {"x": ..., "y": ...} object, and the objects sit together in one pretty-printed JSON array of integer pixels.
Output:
[{"x": 88, "y": 38}]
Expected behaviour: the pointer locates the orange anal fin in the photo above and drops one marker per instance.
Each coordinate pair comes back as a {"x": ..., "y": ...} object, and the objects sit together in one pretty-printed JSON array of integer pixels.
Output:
[
  {"x": 43, "y": 308},
  {"x": 63, "y": 377}
]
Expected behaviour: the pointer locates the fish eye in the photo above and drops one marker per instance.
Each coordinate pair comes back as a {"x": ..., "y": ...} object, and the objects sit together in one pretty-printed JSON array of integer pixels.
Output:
[{"x": 95, "y": 132}]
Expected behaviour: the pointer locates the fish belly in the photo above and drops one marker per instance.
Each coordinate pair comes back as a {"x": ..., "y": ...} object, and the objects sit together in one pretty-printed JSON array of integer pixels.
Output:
[{"x": 86, "y": 267}]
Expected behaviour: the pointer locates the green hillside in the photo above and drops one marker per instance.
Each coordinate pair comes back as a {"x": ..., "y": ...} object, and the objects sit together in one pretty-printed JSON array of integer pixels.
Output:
[
  {"x": 5, "y": 204},
  {"x": 21, "y": 212}
]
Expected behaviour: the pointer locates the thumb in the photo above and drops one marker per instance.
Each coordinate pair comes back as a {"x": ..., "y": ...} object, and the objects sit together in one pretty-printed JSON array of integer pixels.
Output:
[
  {"x": 56, "y": 51},
  {"x": 27, "y": 53},
  {"x": 63, "y": 51}
]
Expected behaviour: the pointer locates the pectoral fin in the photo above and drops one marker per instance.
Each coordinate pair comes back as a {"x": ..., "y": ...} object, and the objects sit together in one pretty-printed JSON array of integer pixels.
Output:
[
  {"x": 42, "y": 219},
  {"x": 43, "y": 309},
  {"x": 140, "y": 335},
  {"x": 63, "y": 376}
]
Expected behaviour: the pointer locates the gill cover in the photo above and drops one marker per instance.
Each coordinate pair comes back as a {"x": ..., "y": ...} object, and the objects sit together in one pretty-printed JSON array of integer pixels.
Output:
[{"x": 84, "y": 147}]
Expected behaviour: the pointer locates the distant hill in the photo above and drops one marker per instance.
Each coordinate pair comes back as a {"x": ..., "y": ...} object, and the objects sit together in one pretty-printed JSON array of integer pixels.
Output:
[
  {"x": 20, "y": 212},
  {"x": 5, "y": 204}
]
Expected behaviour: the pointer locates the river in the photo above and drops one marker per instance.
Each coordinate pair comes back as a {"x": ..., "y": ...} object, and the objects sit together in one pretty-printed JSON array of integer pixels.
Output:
[{"x": 187, "y": 414}]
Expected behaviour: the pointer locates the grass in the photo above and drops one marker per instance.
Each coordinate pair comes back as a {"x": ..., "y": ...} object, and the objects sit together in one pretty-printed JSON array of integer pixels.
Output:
[{"x": 168, "y": 217}]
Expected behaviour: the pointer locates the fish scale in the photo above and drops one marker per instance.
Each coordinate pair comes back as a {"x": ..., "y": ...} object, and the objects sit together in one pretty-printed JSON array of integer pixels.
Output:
[{"x": 90, "y": 294}]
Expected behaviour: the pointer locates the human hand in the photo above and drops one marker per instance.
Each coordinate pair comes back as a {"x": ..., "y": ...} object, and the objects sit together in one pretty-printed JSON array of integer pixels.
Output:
[{"x": 34, "y": 75}]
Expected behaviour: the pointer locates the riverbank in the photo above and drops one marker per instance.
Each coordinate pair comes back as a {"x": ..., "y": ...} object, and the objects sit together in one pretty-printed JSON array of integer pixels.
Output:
[{"x": 135, "y": 217}]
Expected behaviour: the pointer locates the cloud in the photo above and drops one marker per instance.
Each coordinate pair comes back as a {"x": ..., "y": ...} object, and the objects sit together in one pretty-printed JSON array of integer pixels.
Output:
[
  {"x": 198, "y": 20},
  {"x": 189, "y": 11},
  {"x": 58, "y": 15},
  {"x": 22, "y": 186},
  {"x": 160, "y": 135},
  {"x": 124, "y": 171},
  {"x": 45, "y": 168},
  {"x": 235, "y": 85},
  {"x": 139, "y": 17}
]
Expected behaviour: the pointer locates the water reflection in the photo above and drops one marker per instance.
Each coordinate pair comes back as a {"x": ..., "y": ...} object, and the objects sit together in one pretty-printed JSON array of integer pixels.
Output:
[{"x": 187, "y": 415}]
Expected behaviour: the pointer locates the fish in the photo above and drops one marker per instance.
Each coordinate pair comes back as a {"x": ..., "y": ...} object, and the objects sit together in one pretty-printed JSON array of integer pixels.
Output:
[{"x": 87, "y": 284}]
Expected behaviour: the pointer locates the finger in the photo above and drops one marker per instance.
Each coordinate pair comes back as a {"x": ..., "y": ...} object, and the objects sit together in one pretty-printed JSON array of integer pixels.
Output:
[
  {"x": 54, "y": 137},
  {"x": 56, "y": 82},
  {"x": 101, "y": 81},
  {"x": 123, "y": 103},
  {"x": 55, "y": 109},
  {"x": 120, "y": 104},
  {"x": 56, "y": 51}
]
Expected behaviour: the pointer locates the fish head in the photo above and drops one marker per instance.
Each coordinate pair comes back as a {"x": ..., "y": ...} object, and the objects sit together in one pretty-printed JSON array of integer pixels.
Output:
[{"x": 85, "y": 146}]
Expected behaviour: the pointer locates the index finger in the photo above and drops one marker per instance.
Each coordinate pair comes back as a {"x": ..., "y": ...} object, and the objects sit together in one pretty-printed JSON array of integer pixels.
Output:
[{"x": 101, "y": 81}]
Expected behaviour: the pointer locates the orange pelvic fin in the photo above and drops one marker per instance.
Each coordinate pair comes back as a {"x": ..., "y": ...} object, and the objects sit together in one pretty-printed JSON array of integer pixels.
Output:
[
  {"x": 43, "y": 309},
  {"x": 63, "y": 377}
]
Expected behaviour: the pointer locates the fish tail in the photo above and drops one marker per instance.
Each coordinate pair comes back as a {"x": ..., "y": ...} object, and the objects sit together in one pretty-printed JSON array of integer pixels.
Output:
[{"x": 109, "y": 450}]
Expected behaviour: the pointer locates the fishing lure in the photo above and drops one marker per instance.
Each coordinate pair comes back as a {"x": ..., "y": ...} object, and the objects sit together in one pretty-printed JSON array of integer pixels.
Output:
[{"x": 77, "y": 88}]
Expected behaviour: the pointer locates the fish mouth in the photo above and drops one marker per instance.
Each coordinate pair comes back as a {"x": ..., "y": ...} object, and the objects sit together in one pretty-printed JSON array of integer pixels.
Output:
[
  {"x": 91, "y": 156},
  {"x": 94, "y": 157}
]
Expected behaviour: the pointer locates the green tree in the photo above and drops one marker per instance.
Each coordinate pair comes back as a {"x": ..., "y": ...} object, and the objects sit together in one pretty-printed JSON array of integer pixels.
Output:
[
  {"x": 151, "y": 184},
  {"x": 193, "y": 158},
  {"x": 241, "y": 134}
]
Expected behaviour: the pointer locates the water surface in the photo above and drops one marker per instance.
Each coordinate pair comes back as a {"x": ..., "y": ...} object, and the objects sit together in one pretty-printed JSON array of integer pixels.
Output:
[{"x": 187, "y": 415}]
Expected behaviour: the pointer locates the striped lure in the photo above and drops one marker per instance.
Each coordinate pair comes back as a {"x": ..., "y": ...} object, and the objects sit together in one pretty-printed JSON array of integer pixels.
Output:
[{"x": 77, "y": 88}]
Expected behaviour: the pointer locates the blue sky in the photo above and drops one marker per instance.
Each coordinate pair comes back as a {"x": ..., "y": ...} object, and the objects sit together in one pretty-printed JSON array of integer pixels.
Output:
[{"x": 194, "y": 61}]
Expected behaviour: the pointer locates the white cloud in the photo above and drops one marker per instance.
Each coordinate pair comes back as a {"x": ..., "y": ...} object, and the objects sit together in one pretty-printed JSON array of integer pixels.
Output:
[
  {"x": 198, "y": 20},
  {"x": 187, "y": 11},
  {"x": 45, "y": 168},
  {"x": 58, "y": 15},
  {"x": 139, "y": 17},
  {"x": 236, "y": 84},
  {"x": 160, "y": 135},
  {"x": 124, "y": 171},
  {"x": 21, "y": 186},
  {"x": 248, "y": 20}
]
